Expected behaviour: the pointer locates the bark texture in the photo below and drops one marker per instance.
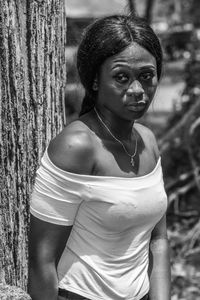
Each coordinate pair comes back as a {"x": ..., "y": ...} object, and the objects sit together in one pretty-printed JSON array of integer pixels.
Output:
[
  {"x": 8, "y": 292},
  {"x": 32, "y": 80}
]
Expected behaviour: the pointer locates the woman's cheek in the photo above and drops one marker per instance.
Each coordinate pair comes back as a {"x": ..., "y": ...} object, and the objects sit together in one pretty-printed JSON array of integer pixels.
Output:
[{"x": 152, "y": 93}]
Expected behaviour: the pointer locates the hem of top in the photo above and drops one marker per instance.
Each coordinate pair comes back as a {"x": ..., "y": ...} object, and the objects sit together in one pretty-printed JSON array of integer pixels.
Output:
[
  {"x": 95, "y": 297},
  {"x": 44, "y": 218}
]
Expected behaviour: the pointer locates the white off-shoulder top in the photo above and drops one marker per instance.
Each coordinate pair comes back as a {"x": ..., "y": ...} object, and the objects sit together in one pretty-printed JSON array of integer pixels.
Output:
[{"x": 107, "y": 254}]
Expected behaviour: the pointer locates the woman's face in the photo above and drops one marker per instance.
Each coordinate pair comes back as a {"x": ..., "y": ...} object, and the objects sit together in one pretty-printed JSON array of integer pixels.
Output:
[{"x": 127, "y": 82}]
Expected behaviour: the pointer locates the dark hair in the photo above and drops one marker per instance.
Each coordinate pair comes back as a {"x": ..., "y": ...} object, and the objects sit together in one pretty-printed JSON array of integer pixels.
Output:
[{"x": 109, "y": 36}]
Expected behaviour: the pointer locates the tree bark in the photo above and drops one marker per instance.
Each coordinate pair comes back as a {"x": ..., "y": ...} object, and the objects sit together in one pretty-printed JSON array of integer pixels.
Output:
[{"x": 32, "y": 81}]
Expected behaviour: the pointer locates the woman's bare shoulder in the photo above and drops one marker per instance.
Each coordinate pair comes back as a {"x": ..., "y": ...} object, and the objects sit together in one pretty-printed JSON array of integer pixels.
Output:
[
  {"x": 73, "y": 149},
  {"x": 148, "y": 138}
]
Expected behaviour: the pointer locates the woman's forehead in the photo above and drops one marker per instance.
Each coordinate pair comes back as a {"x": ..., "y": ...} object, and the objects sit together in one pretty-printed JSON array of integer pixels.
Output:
[{"x": 132, "y": 55}]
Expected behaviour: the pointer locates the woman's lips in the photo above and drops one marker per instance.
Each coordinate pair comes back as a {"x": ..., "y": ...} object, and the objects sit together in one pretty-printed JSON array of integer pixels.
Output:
[{"x": 140, "y": 105}]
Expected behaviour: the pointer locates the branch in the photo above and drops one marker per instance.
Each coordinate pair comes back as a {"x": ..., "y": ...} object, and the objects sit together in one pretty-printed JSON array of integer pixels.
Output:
[{"x": 179, "y": 128}]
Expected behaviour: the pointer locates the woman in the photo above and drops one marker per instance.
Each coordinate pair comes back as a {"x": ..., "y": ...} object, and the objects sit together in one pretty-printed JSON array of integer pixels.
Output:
[{"x": 98, "y": 228}]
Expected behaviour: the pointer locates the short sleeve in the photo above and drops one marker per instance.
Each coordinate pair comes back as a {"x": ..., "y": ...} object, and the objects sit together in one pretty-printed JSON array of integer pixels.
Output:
[{"x": 56, "y": 197}]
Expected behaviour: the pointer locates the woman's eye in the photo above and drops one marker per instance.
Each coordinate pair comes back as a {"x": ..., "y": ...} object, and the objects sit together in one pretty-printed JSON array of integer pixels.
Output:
[
  {"x": 146, "y": 76},
  {"x": 121, "y": 78}
]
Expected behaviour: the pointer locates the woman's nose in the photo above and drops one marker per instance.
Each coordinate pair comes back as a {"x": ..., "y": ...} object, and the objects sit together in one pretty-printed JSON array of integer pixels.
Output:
[{"x": 135, "y": 88}]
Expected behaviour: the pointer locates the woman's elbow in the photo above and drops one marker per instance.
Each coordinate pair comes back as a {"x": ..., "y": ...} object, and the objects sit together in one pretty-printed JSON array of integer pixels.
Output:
[
  {"x": 160, "y": 245},
  {"x": 42, "y": 280}
]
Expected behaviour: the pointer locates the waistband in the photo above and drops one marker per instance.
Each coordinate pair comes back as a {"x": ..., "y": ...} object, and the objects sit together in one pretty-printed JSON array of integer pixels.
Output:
[{"x": 67, "y": 295}]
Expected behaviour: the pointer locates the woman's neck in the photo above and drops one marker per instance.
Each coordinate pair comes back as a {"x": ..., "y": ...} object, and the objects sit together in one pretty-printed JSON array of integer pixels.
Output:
[{"x": 120, "y": 128}]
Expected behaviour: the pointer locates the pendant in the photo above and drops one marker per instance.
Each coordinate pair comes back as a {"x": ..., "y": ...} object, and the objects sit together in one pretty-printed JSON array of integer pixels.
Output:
[{"x": 132, "y": 161}]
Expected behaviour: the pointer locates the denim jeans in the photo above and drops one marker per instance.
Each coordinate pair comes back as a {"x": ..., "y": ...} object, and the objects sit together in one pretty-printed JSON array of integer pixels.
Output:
[{"x": 66, "y": 295}]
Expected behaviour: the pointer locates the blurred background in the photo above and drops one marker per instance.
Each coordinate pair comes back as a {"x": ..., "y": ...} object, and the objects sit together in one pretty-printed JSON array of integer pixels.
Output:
[{"x": 174, "y": 116}]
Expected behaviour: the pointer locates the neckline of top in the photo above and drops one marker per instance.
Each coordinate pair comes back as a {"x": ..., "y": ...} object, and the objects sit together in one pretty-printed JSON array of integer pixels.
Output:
[{"x": 99, "y": 177}]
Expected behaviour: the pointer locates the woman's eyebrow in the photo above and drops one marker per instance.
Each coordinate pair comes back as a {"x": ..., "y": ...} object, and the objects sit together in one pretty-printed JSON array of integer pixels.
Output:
[
  {"x": 149, "y": 66},
  {"x": 120, "y": 64},
  {"x": 143, "y": 67}
]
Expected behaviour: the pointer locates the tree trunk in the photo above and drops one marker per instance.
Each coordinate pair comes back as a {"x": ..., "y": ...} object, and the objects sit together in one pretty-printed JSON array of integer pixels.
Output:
[
  {"x": 131, "y": 4},
  {"x": 32, "y": 81},
  {"x": 195, "y": 13},
  {"x": 149, "y": 10}
]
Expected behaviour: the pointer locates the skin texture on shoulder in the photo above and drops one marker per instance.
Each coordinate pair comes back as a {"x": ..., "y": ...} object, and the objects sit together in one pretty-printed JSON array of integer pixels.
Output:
[
  {"x": 73, "y": 150},
  {"x": 149, "y": 138}
]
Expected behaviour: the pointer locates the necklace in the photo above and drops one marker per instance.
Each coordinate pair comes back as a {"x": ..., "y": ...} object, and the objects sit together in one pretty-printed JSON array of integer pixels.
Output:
[{"x": 116, "y": 139}]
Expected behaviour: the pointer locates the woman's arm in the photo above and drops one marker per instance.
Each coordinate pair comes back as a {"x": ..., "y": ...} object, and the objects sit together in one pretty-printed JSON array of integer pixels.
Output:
[
  {"x": 46, "y": 244},
  {"x": 69, "y": 151},
  {"x": 159, "y": 265}
]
